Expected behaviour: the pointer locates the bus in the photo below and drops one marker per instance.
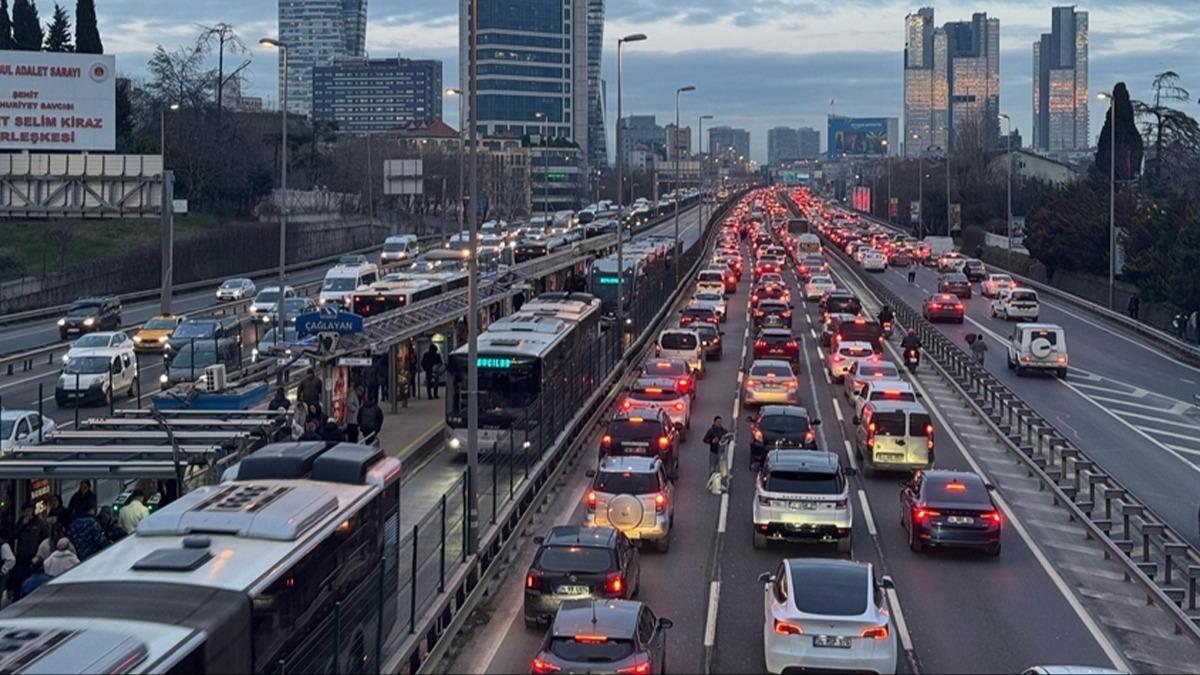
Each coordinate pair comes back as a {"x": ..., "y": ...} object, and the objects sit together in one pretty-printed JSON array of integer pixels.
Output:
[
  {"x": 534, "y": 366},
  {"x": 404, "y": 289},
  {"x": 246, "y": 576}
]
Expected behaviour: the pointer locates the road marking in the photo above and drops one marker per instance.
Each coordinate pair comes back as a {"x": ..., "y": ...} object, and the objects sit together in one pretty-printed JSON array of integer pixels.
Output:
[
  {"x": 837, "y": 410},
  {"x": 850, "y": 455},
  {"x": 866, "y": 507},
  {"x": 1131, "y": 404},
  {"x": 812, "y": 332},
  {"x": 901, "y": 624},
  {"x": 1189, "y": 451},
  {"x": 828, "y": 380},
  {"x": 710, "y": 624},
  {"x": 1159, "y": 420},
  {"x": 721, "y": 519},
  {"x": 808, "y": 317},
  {"x": 820, "y": 352}
]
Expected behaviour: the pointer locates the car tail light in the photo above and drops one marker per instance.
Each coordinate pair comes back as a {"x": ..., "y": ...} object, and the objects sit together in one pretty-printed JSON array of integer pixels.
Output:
[
  {"x": 791, "y": 345},
  {"x": 785, "y": 628},
  {"x": 809, "y": 436},
  {"x": 682, "y": 385},
  {"x": 958, "y": 306},
  {"x": 606, "y": 441},
  {"x": 838, "y": 358},
  {"x": 992, "y": 517},
  {"x": 679, "y": 406},
  {"x": 660, "y": 502},
  {"x": 626, "y": 404},
  {"x": 757, "y": 434},
  {"x": 786, "y": 315},
  {"x": 533, "y": 580},
  {"x": 540, "y": 667},
  {"x": 759, "y": 344},
  {"x": 664, "y": 443},
  {"x": 639, "y": 668},
  {"x": 614, "y": 583},
  {"x": 921, "y": 515},
  {"x": 590, "y": 500},
  {"x": 750, "y": 384}
]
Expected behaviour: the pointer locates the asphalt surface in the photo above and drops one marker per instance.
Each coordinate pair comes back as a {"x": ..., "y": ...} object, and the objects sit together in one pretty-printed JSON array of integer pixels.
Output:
[{"x": 962, "y": 612}]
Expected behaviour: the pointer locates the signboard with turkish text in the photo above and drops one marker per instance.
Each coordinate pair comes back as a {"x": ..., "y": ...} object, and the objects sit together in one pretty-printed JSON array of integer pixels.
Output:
[
  {"x": 328, "y": 321},
  {"x": 57, "y": 101}
]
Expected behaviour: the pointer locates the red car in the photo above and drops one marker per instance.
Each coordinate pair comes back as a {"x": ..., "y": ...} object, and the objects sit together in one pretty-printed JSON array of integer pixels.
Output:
[
  {"x": 777, "y": 343},
  {"x": 944, "y": 307},
  {"x": 693, "y": 314}
]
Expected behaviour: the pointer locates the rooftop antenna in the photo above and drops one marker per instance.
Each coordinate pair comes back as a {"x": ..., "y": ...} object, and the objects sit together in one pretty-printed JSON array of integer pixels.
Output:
[{"x": 832, "y": 109}]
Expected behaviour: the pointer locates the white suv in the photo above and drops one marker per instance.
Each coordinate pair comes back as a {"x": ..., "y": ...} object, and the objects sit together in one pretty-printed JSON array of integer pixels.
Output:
[
  {"x": 633, "y": 495},
  {"x": 1038, "y": 346},
  {"x": 803, "y": 496},
  {"x": 1016, "y": 303}
]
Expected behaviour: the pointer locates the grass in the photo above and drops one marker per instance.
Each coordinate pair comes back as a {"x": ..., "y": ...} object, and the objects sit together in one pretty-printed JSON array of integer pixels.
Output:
[{"x": 32, "y": 248}]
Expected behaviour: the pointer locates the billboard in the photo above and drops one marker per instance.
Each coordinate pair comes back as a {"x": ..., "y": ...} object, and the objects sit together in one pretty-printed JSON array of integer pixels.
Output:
[
  {"x": 57, "y": 101},
  {"x": 860, "y": 199},
  {"x": 859, "y": 136}
]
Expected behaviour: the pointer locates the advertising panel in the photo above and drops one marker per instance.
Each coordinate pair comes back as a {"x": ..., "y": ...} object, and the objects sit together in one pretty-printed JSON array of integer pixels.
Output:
[
  {"x": 861, "y": 198},
  {"x": 858, "y": 136},
  {"x": 57, "y": 101}
]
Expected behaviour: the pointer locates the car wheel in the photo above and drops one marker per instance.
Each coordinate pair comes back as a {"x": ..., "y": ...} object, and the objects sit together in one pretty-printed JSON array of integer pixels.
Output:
[
  {"x": 663, "y": 545},
  {"x": 1009, "y": 362},
  {"x": 1020, "y": 371},
  {"x": 914, "y": 542},
  {"x": 960, "y": 320},
  {"x": 993, "y": 550},
  {"x": 760, "y": 540},
  {"x": 845, "y": 544},
  {"x": 1062, "y": 373}
]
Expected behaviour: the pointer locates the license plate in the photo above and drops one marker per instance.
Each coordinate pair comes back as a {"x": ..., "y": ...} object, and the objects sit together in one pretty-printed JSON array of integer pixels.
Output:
[
  {"x": 637, "y": 447},
  {"x": 836, "y": 641},
  {"x": 573, "y": 590},
  {"x": 889, "y": 455},
  {"x": 960, "y": 520},
  {"x": 802, "y": 506}
]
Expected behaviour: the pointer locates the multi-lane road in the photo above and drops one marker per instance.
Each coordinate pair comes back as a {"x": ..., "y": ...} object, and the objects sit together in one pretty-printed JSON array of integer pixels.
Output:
[{"x": 954, "y": 612}]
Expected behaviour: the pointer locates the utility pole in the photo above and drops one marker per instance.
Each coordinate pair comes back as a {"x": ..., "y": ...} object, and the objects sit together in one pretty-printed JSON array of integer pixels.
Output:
[
  {"x": 636, "y": 37},
  {"x": 473, "y": 296},
  {"x": 675, "y": 143}
]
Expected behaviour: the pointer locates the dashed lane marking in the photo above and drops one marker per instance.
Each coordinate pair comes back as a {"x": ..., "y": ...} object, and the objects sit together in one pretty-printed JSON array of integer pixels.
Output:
[
  {"x": 901, "y": 624},
  {"x": 710, "y": 624},
  {"x": 837, "y": 410},
  {"x": 866, "y": 508},
  {"x": 850, "y": 456}
]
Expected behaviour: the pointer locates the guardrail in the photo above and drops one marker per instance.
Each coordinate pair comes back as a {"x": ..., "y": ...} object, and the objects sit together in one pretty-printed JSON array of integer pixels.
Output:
[{"x": 1151, "y": 552}]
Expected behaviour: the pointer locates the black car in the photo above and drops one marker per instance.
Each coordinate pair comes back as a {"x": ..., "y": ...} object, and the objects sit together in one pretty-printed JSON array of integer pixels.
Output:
[
  {"x": 831, "y": 325},
  {"x": 86, "y": 315},
  {"x": 773, "y": 314},
  {"x": 840, "y": 302},
  {"x": 780, "y": 426},
  {"x": 205, "y": 330},
  {"x": 643, "y": 432},
  {"x": 955, "y": 283},
  {"x": 950, "y": 508},
  {"x": 860, "y": 329},
  {"x": 575, "y": 562},
  {"x": 975, "y": 269},
  {"x": 614, "y": 636},
  {"x": 710, "y": 339}
]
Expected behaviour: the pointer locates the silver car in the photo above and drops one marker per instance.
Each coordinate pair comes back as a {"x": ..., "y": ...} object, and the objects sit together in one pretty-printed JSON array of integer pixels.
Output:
[
  {"x": 236, "y": 289},
  {"x": 633, "y": 495},
  {"x": 861, "y": 372},
  {"x": 803, "y": 496}
]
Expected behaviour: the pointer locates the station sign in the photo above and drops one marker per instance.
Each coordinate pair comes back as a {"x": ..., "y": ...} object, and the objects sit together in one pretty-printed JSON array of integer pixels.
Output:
[{"x": 329, "y": 320}]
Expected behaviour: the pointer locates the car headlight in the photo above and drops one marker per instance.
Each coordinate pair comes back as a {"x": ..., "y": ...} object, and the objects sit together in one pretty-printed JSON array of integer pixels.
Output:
[
  {"x": 267, "y": 319},
  {"x": 137, "y": 338},
  {"x": 163, "y": 379},
  {"x": 89, "y": 321},
  {"x": 455, "y": 444},
  {"x": 62, "y": 322},
  {"x": 162, "y": 339}
]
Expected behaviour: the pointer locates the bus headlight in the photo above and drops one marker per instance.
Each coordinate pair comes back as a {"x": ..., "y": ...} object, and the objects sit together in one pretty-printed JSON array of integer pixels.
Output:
[
  {"x": 455, "y": 444},
  {"x": 163, "y": 379}
]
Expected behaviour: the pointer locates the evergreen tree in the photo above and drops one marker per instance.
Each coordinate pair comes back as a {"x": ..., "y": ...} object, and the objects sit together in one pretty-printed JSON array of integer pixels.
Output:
[
  {"x": 87, "y": 34},
  {"x": 27, "y": 28},
  {"x": 58, "y": 32},
  {"x": 1129, "y": 140},
  {"x": 6, "y": 37}
]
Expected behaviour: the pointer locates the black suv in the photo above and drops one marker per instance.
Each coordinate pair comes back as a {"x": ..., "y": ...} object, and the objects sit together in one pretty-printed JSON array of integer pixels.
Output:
[
  {"x": 575, "y": 562},
  {"x": 90, "y": 314},
  {"x": 780, "y": 426},
  {"x": 643, "y": 432},
  {"x": 840, "y": 302},
  {"x": 955, "y": 283}
]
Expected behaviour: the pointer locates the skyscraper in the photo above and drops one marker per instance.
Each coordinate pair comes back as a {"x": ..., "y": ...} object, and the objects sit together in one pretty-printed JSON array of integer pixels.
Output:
[
  {"x": 1060, "y": 83},
  {"x": 729, "y": 142},
  {"x": 679, "y": 142},
  {"x": 783, "y": 145},
  {"x": 642, "y": 132},
  {"x": 597, "y": 142},
  {"x": 316, "y": 32},
  {"x": 809, "y": 142},
  {"x": 374, "y": 95},
  {"x": 918, "y": 80}
]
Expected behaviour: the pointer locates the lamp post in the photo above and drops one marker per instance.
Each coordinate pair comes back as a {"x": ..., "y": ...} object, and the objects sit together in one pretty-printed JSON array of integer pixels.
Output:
[
  {"x": 675, "y": 142},
  {"x": 162, "y": 129},
  {"x": 1112, "y": 194},
  {"x": 461, "y": 144},
  {"x": 703, "y": 164},
  {"x": 636, "y": 37},
  {"x": 544, "y": 129},
  {"x": 167, "y": 242},
  {"x": 280, "y": 305},
  {"x": 473, "y": 290},
  {"x": 920, "y": 189},
  {"x": 887, "y": 160},
  {"x": 1008, "y": 154}
]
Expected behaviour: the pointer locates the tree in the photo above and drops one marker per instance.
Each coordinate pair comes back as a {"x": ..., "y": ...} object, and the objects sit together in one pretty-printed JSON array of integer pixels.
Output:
[
  {"x": 1070, "y": 231},
  {"x": 1183, "y": 263},
  {"x": 179, "y": 76},
  {"x": 27, "y": 28},
  {"x": 87, "y": 34},
  {"x": 1128, "y": 141},
  {"x": 226, "y": 40},
  {"x": 6, "y": 32},
  {"x": 58, "y": 32}
]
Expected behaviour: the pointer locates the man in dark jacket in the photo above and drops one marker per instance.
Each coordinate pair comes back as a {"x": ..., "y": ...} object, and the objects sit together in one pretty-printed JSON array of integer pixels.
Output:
[
  {"x": 310, "y": 388},
  {"x": 330, "y": 433},
  {"x": 86, "y": 534},
  {"x": 280, "y": 402},
  {"x": 370, "y": 418},
  {"x": 713, "y": 438},
  {"x": 429, "y": 363},
  {"x": 31, "y": 530}
]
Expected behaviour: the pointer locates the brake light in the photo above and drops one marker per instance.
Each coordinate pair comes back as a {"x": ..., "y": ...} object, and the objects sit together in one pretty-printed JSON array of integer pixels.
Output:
[
  {"x": 660, "y": 502},
  {"x": 785, "y": 628},
  {"x": 540, "y": 667},
  {"x": 682, "y": 385},
  {"x": 992, "y": 516},
  {"x": 533, "y": 580},
  {"x": 920, "y": 515},
  {"x": 664, "y": 443},
  {"x": 838, "y": 358},
  {"x": 614, "y": 583},
  {"x": 626, "y": 404},
  {"x": 639, "y": 668},
  {"x": 654, "y": 390},
  {"x": 809, "y": 437},
  {"x": 750, "y": 384},
  {"x": 955, "y": 487},
  {"x": 759, "y": 344},
  {"x": 606, "y": 440},
  {"x": 786, "y": 315},
  {"x": 871, "y": 428},
  {"x": 590, "y": 500},
  {"x": 791, "y": 344},
  {"x": 958, "y": 306}
]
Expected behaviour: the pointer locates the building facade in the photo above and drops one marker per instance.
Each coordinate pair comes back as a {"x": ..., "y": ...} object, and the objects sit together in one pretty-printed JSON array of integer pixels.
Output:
[
  {"x": 809, "y": 142},
  {"x": 316, "y": 32},
  {"x": 641, "y": 133},
  {"x": 1060, "y": 83},
  {"x": 729, "y": 142},
  {"x": 783, "y": 145},
  {"x": 679, "y": 142},
  {"x": 374, "y": 95},
  {"x": 597, "y": 140}
]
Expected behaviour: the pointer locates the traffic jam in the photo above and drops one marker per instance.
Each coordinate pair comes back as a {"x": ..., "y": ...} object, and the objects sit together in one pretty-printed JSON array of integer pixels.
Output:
[{"x": 677, "y": 438}]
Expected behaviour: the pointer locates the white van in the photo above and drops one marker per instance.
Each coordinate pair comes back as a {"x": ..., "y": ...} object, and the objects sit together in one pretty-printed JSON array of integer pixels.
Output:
[
  {"x": 97, "y": 376},
  {"x": 399, "y": 248},
  {"x": 684, "y": 344},
  {"x": 341, "y": 282}
]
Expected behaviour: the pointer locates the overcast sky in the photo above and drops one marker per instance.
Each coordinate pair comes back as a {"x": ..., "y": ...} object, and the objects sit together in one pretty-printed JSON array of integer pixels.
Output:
[{"x": 755, "y": 63}]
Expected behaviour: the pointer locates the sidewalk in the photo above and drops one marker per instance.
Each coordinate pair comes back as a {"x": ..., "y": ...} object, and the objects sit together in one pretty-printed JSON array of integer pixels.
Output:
[{"x": 411, "y": 429}]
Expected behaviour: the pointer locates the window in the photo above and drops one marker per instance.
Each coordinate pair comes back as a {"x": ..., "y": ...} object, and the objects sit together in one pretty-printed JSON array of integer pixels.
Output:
[
  {"x": 803, "y": 482},
  {"x": 784, "y": 424},
  {"x": 626, "y": 483},
  {"x": 598, "y": 650},
  {"x": 781, "y": 583},
  {"x": 23, "y": 427},
  {"x": 677, "y": 341},
  {"x": 966, "y": 490},
  {"x": 833, "y": 590},
  {"x": 577, "y": 559},
  {"x": 646, "y": 626},
  {"x": 889, "y": 423}
]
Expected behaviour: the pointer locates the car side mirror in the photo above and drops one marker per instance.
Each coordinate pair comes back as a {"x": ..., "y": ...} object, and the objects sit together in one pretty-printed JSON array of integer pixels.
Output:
[
  {"x": 850, "y": 471},
  {"x": 856, "y": 420},
  {"x": 665, "y": 624},
  {"x": 766, "y": 578},
  {"x": 989, "y": 487},
  {"x": 539, "y": 540},
  {"x": 887, "y": 583},
  {"x": 815, "y": 423},
  {"x": 590, "y": 473},
  {"x": 750, "y": 418}
]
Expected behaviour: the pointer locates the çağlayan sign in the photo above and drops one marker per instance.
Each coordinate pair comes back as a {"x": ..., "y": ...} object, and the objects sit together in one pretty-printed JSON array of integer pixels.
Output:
[{"x": 55, "y": 101}]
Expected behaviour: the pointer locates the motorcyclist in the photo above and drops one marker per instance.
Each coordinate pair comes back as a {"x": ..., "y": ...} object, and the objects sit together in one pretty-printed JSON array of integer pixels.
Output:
[
  {"x": 911, "y": 344},
  {"x": 886, "y": 315}
]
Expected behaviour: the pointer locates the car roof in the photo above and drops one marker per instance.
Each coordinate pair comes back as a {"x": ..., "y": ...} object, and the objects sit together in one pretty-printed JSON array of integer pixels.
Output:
[
  {"x": 644, "y": 412},
  {"x": 778, "y": 363},
  {"x": 11, "y": 414},
  {"x": 578, "y": 535},
  {"x": 856, "y": 343},
  {"x": 1041, "y": 326},
  {"x": 897, "y": 384},
  {"x": 102, "y": 351},
  {"x": 677, "y": 330},
  {"x": 625, "y": 463},
  {"x": 817, "y": 566},
  {"x": 610, "y": 618},
  {"x": 776, "y": 332},
  {"x": 898, "y": 406},
  {"x": 951, "y": 475}
]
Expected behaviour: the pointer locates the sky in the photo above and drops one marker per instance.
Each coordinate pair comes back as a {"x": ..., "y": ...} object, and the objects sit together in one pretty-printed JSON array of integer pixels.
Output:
[{"x": 755, "y": 64}]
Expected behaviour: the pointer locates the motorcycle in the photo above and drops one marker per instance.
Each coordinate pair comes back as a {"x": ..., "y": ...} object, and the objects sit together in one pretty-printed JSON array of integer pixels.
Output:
[
  {"x": 887, "y": 329},
  {"x": 912, "y": 358}
]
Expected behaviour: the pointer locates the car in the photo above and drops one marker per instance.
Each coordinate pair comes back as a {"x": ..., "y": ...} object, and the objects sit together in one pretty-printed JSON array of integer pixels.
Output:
[
  {"x": 844, "y": 354},
  {"x": 900, "y": 257},
  {"x": 642, "y": 432},
  {"x": 574, "y": 562},
  {"x": 154, "y": 334},
  {"x": 772, "y": 314},
  {"x": 268, "y": 345},
  {"x": 803, "y": 496},
  {"x": 950, "y": 509},
  {"x": 992, "y": 285},
  {"x": 265, "y": 300},
  {"x": 874, "y": 261},
  {"x": 1021, "y": 304},
  {"x": 698, "y": 313},
  {"x": 893, "y": 436},
  {"x": 711, "y": 299},
  {"x": 884, "y": 390},
  {"x": 974, "y": 269},
  {"x": 817, "y": 286},
  {"x": 955, "y": 283},
  {"x": 710, "y": 287},
  {"x": 770, "y": 381},
  {"x": 769, "y": 291},
  {"x": 859, "y": 329},
  {"x": 830, "y": 326},
  {"x": 201, "y": 330},
  {"x": 682, "y": 343},
  {"x": 659, "y": 392},
  {"x": 99, "y": 340},
  {"x": 861, "y": 372},
  {"x": 187, "y": 364},
  {"x": 780, "y": 426},
  {"x": 235, "y": 289},
  {"x": 87, "y": 315},
  {"x": 840, "y": 302},
  {"x": 97, "y": 376},
  {"x": 710, "y": 340},
  {"x": 768, "y": 266},
  {"x": 676, "y": 369},
  {"x": 1038, "y": 346},
  {"x": 713, "y": 277},
  {"x": 777, "y": 343},
  {"x": 943, "y": 307},
  {"x": 634, "y": 495},
  {"x": 23, "y": 427},
  {"x": 827, "y": 615},
  {"x": 608, "y": 636},
  {"x": 950, "y": 262}
]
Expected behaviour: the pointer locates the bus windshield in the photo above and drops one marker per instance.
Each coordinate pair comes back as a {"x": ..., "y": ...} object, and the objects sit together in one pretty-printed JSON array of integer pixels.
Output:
[{"x": 505, "y": 383}]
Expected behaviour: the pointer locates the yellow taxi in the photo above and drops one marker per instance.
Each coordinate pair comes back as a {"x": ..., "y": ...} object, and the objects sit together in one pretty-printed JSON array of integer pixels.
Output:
[{"x": 154, "y": 333}]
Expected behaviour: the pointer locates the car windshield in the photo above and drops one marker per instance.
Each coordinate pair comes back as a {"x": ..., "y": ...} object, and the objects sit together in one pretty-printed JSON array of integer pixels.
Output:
[
  {"x": 626, "y": 483},
  {"x": 633, "y": 429},
  {"x": 1047, "y": 335},
  {"x": 200, "y": 358},
  {"x": 884, "y": 371},
  {"x": 269, "y": 337},
  {"x": 803, "y": 482},
  {"x": 93, "y": 340},
  {"x": 765, "y": 369},
  {"x": 775, "y": 338},
  {"x": 1024, "y": 296},
  {"x": 830, "y": 589},
  {"x": 194, "y": 329},
  {"x": 339, "y": 284},
  {"x": 233, "y": 283},
  {"x": 590, "y": 650},
  {"x": 955, "y": 278},
  {"x": 267, "y": 296},
  {"x": 293, "y": 305},
  {"x": 709, "y": 297},
  {"x": 392, "y": 247},
  {"x": 784, "y": 424},
  {"x": 707, "y": 331},
  {"x": 699, "y": 312},
  {"x": 83, "y": 311},
  {"x": 855, "y": 351},
  {"x": 961, "y": 491},
  {"x": 574, "y": 559},
  {"x": 821, "y": 280},
  {"x": 87, "y": 365},
  {"x": 677, "y": 341},
  {"x": 160, "y": 324}
]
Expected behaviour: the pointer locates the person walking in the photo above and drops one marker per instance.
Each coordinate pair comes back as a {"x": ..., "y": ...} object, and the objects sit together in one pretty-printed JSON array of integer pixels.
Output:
[
  {"x": 713, "y": 438},
  {"x": 62, "y": 560},
  {"x": 1134, "y": 306},
  {"x": 430, "y": 363},
  {"x": 979, "y": 348},
  {"x": 370, "y": 418},
  {"x": 310, "y": 389},
  {"x": 31, "y": 530},
  {"x": 86, "y": 534},
  {"x": 82, "y": 498},
  {"x": 36, "y": 578},
  {"x": 353, "y": 405},
  {"x": 133, "y": 512}
]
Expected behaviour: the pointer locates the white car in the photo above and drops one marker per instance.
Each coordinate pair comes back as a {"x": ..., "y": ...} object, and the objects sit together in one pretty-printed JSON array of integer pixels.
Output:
[
  {"x": 803, "y": 496},
  {"x": 1021, "y": 304},
  {"x": 661, "y": 393},
  {"x": 839, "y": 360},
  {"x": 818, "y": 285},
  {"x": 991, "y": 286},
  {"x": 874, "y": 261},
  {"x": 711, "y": 299},
  {"x": 20, "y": 427},
  {"x": 684, "y": 344},
  {"x": 97, "y": 376},
  {"x": 824, "y": 614},
  {"x": 1038, "y": 346},
  {"x": 235, "y": 289},
  {"x": 264, "y": 302},
  {"x": 883, "y": 390},
  {"x": 97, "y": 341}
]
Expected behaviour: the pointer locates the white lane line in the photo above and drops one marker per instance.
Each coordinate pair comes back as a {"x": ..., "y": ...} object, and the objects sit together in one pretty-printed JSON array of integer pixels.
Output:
[
  {"x": 901, "y": 624},
  {"x": 837, "y": 410},
  {"x": 739, "y": 377},
  {"x": 813, "y": 333},
  {"x": 1188, "y": 451},
  {"x": 1172, "y": 434},
  {"x": 828, "y": 380},
  {"x": 1142, "y": 406},
  {"x": 807, "y": 317},
  {"x": 1158, "y": 420},
  {"x": 710, "y": 624},
  {"x": 850, "y": 455},
  {"x": 724, "y": 515},
  {"x": 820, "y": 352},
  {"x": 1136, "y": 393},
  {"x": 866, "y": 508}
]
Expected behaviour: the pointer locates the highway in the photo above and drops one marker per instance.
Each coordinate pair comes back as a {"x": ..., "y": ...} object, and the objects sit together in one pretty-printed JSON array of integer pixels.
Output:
[{"x": 954, "y": 612}]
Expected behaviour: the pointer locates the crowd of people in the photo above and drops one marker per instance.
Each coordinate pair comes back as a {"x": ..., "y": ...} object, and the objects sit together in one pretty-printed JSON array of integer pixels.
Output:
[{"x": 363, "y": 416}]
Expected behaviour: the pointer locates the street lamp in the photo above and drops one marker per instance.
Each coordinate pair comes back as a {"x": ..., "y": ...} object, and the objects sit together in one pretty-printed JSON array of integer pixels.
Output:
[
  {"x": 280, "y": 305},
  {"x": 920, "y": 188},
  {"x": 887, "y": 160},
  {"x": 703, "y": 164},
  {"x": 544, "y": 128},
  {"x": 1008, "y": 144},
  {"x": 462, "y": 207},
  {"x": 162, "y": 129},
  {"x": 1112, "y": 193},
  {"x": 635, "y": 37},
  {"x": 675, "y": 255}
]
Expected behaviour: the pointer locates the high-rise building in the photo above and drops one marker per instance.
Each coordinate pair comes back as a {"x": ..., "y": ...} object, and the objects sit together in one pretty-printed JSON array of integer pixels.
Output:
[
  {"x": 1060, "y": 83},
  {"x": 374, "y": 95},
  {"x": 316, "y": 32},
  {"x": 809, "y": 142},
  {"x": 642, "y": 133},
  {"x": 729, "y": 142},
  {"x": 597, "y": 141},
  {"x": 679, "y": 142},
  {"x": 783, "y": 145},
  {"x": 951, "y": 82}
]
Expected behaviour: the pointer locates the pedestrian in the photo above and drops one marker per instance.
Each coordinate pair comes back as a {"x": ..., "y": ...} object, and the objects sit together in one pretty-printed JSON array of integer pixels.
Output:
[
  {"x": 31, "y": 530},
  {"x": 314, "y": 414},
  {"x": 518, "y": 300},
  {"x": 62, "y": 559},
  {"x": 354, "y": 401},
  {"x": 36, "y": 578},
  {"x": 82, "y": 498},
  {"x": 46, "y": 548},
  {"x": 8, "y": 561},
  {"x": 133, "y": 512},
  {"x": 1134, "y": 306},
  {"x": 280, "y": 402},
  {"x": 310, "y": 431},
  {"x": 86, "y": 534},
  {"x": 310, "y": 389},
  {"x": 429, "y": 363},
  {"x": 370, "y": 418},
  {"x": 330, "y": 433},
  {"x": 56, "y": 511},
  {"x": 979, "y": 348},
  {"x": 714, "y": 438}
]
